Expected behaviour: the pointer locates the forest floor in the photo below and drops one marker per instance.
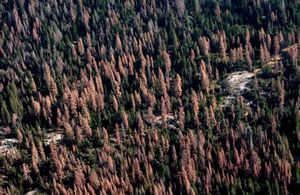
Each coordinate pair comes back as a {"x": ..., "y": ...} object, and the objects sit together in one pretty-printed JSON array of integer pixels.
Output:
[
  {"x": 8, "y": 146},
  {"x": 238, "y": 82}
]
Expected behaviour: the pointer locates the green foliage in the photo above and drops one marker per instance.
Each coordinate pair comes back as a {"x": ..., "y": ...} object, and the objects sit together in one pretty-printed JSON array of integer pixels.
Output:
[
  {"x": 48, "y": 32},
  {"x": 4, "y": 114}
]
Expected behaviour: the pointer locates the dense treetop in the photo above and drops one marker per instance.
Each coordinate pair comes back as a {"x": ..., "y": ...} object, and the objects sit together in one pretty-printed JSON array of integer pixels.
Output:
[{"x": 150, "y": 97}]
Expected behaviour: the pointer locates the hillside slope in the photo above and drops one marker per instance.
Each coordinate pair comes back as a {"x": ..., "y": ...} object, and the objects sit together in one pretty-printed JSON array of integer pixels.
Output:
[{"x": 149, "y": 97}]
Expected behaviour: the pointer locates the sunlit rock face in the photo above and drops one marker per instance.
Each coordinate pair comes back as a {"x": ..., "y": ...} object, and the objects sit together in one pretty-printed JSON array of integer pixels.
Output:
[
  {"x": 8, "y": 148},
  {"x": 237, "y": 82}
]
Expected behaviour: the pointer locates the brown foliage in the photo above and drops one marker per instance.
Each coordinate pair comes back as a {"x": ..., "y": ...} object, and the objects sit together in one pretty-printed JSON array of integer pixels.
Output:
[
  {"x": 204, "y": 77},
  {"x": 178, "y": 86},
  {"x": 195, "y": 103}
]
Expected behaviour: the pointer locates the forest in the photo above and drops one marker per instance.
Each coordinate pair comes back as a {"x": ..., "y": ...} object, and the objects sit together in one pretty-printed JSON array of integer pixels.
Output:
[{"x": 154, "y": 97}]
